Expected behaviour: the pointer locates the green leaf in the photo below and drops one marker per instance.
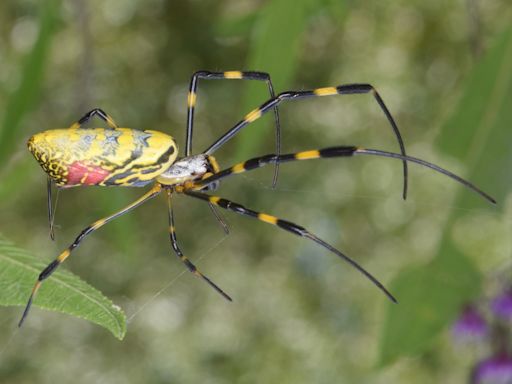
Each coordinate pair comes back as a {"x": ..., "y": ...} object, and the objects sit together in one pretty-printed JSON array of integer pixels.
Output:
[
  {"x": 478, "y": 134},
  {"x": 429, "y": 297},
  {"x": 62, "y": 292},
  {"x": 22, "y": 100}
]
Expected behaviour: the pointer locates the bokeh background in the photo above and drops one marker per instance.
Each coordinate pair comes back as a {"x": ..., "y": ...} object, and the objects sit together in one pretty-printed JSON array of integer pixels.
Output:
[{"x": 300, "y": 314}]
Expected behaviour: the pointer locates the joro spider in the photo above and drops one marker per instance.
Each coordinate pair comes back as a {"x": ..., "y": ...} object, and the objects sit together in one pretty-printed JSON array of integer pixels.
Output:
[{"x": 127, "y": 157}]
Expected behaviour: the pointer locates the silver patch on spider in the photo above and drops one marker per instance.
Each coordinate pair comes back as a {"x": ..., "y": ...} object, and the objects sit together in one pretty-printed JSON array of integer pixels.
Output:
[{"x": 188, "y": 167}]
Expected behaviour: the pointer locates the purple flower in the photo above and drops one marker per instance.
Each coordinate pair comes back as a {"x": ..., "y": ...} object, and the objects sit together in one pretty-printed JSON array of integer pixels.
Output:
[
  {"x": 502, "y": 305},
  {"x": 470, "y": 325},
  {"x": 493, "y": 370}
]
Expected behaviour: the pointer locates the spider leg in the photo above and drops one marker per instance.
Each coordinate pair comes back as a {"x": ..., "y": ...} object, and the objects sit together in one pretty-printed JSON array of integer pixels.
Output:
[
  {"x": 219, "y": 218},
  {"x": 345, "y": 89},
  {"x": 87, "y": 231},
  {"x": 95, "y": 112},
  {"x": 229, "y": 75},
  {"x": 174, "y": 243},
  {"x": 49, "y": 204},
  {"x": 341, "y": 151},
  {"x": 287, "y": 226}
]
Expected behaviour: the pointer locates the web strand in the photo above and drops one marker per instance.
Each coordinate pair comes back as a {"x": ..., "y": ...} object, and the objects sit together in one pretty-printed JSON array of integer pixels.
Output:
[{"x": 172, "y": 281}]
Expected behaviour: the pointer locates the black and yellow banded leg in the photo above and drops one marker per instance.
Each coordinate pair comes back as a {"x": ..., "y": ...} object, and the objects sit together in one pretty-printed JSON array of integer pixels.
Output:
[
  {"x": 174, "y": 243},
  {"x": 287, "y": 226},
  {"x": 346, "y": 89},
  {"x": 331, "y": 152},
  {"x": 87, "y": 231},
  {"x": 95, "y": 112},
  {"x": 192, "y": 101},
  {"x": 226, "y": 75}
]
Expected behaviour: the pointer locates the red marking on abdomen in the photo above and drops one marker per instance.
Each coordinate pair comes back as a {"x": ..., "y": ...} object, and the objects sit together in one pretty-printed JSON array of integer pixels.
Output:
[{"x": 79, "y": 173}]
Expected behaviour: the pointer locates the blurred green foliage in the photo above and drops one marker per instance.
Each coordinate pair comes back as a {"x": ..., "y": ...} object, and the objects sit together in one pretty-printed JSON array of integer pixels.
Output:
[
  {"x": 299, "y": 314},
  {"x": 432, "y": 294},
  {"x": 21, "y": 100}
]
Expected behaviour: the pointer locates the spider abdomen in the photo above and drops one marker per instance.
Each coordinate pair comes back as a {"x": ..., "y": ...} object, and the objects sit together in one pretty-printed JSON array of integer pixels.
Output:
[{"x": 106, "y": 157}]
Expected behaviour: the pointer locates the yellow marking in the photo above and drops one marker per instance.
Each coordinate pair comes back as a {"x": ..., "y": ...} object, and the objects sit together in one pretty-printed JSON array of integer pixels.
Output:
[
  {"x": 82, "y": 180},
  {"x": 239, "y": 168},
  {"x": 36, "y": 287},
  {"x": 183, "y": 258},
  {"x": 75, "y": 126},
  {"x": 327, "y": 91},
  {"x": 197, "y": 273},
  {"x": 214, "y": 164},
  {"x": 171, "y": 229},
  {"x": 314, "y": 154},
  {"x": 253, "y": 115},
  {"x": 190, "y": 185},
  {"x": 206, "y": 175},
  {"x": 63, "y": 256},
  {"x": 191, "y": 100},
  {"x": 233, "y": 75},
  {"x": 74, "y": 135},
  {"x": 98, "y": 223},
  {"x": 125, "y": 141},
  {"x": 214, "y": 200},
  {"x": 111, "y": 122},
  {"x": 267, "y": 218}
]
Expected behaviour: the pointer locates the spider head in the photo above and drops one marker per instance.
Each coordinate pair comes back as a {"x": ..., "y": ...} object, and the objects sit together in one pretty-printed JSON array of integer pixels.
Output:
[{"x": 190, "y": 168}]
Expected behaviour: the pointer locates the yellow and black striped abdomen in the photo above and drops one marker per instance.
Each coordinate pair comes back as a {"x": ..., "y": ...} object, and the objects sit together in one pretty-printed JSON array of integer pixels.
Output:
[{"x": 107, "y": 157}]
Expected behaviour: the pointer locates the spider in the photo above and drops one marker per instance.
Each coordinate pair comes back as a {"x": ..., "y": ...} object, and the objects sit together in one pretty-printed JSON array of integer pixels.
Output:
[{"x": 127, "y": 157}]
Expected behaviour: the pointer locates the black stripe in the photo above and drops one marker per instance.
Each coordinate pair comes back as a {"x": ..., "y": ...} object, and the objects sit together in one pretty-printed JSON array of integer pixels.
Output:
[
  {"x": 151, "y": 169},
  {"x": 81, "y": 236},
  {"x": 113, "y": 179},
  {"x": 246, "y": 75},
  {"x": 250, "y": 75},
  {"x": 158, "y": 164},
  {"x": 191, "y": 267},
  {"x": 295, "y": 94},
  {"x": 136, "y": 182},
  {"x": 165, "y": 156},
  {"x": 337, "y": 151},
  {"x": 354, "y": 88},
  {"x": 291, "y": 227},
  {"x": 268, "y": 105},
  {"x": 223, "y": 173},
  {"x": 287, "y": 157},
  {"x": 259, "y": 161},
  {"x": 229, "y": 205},
  {"x": 48, "y": 270}
]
